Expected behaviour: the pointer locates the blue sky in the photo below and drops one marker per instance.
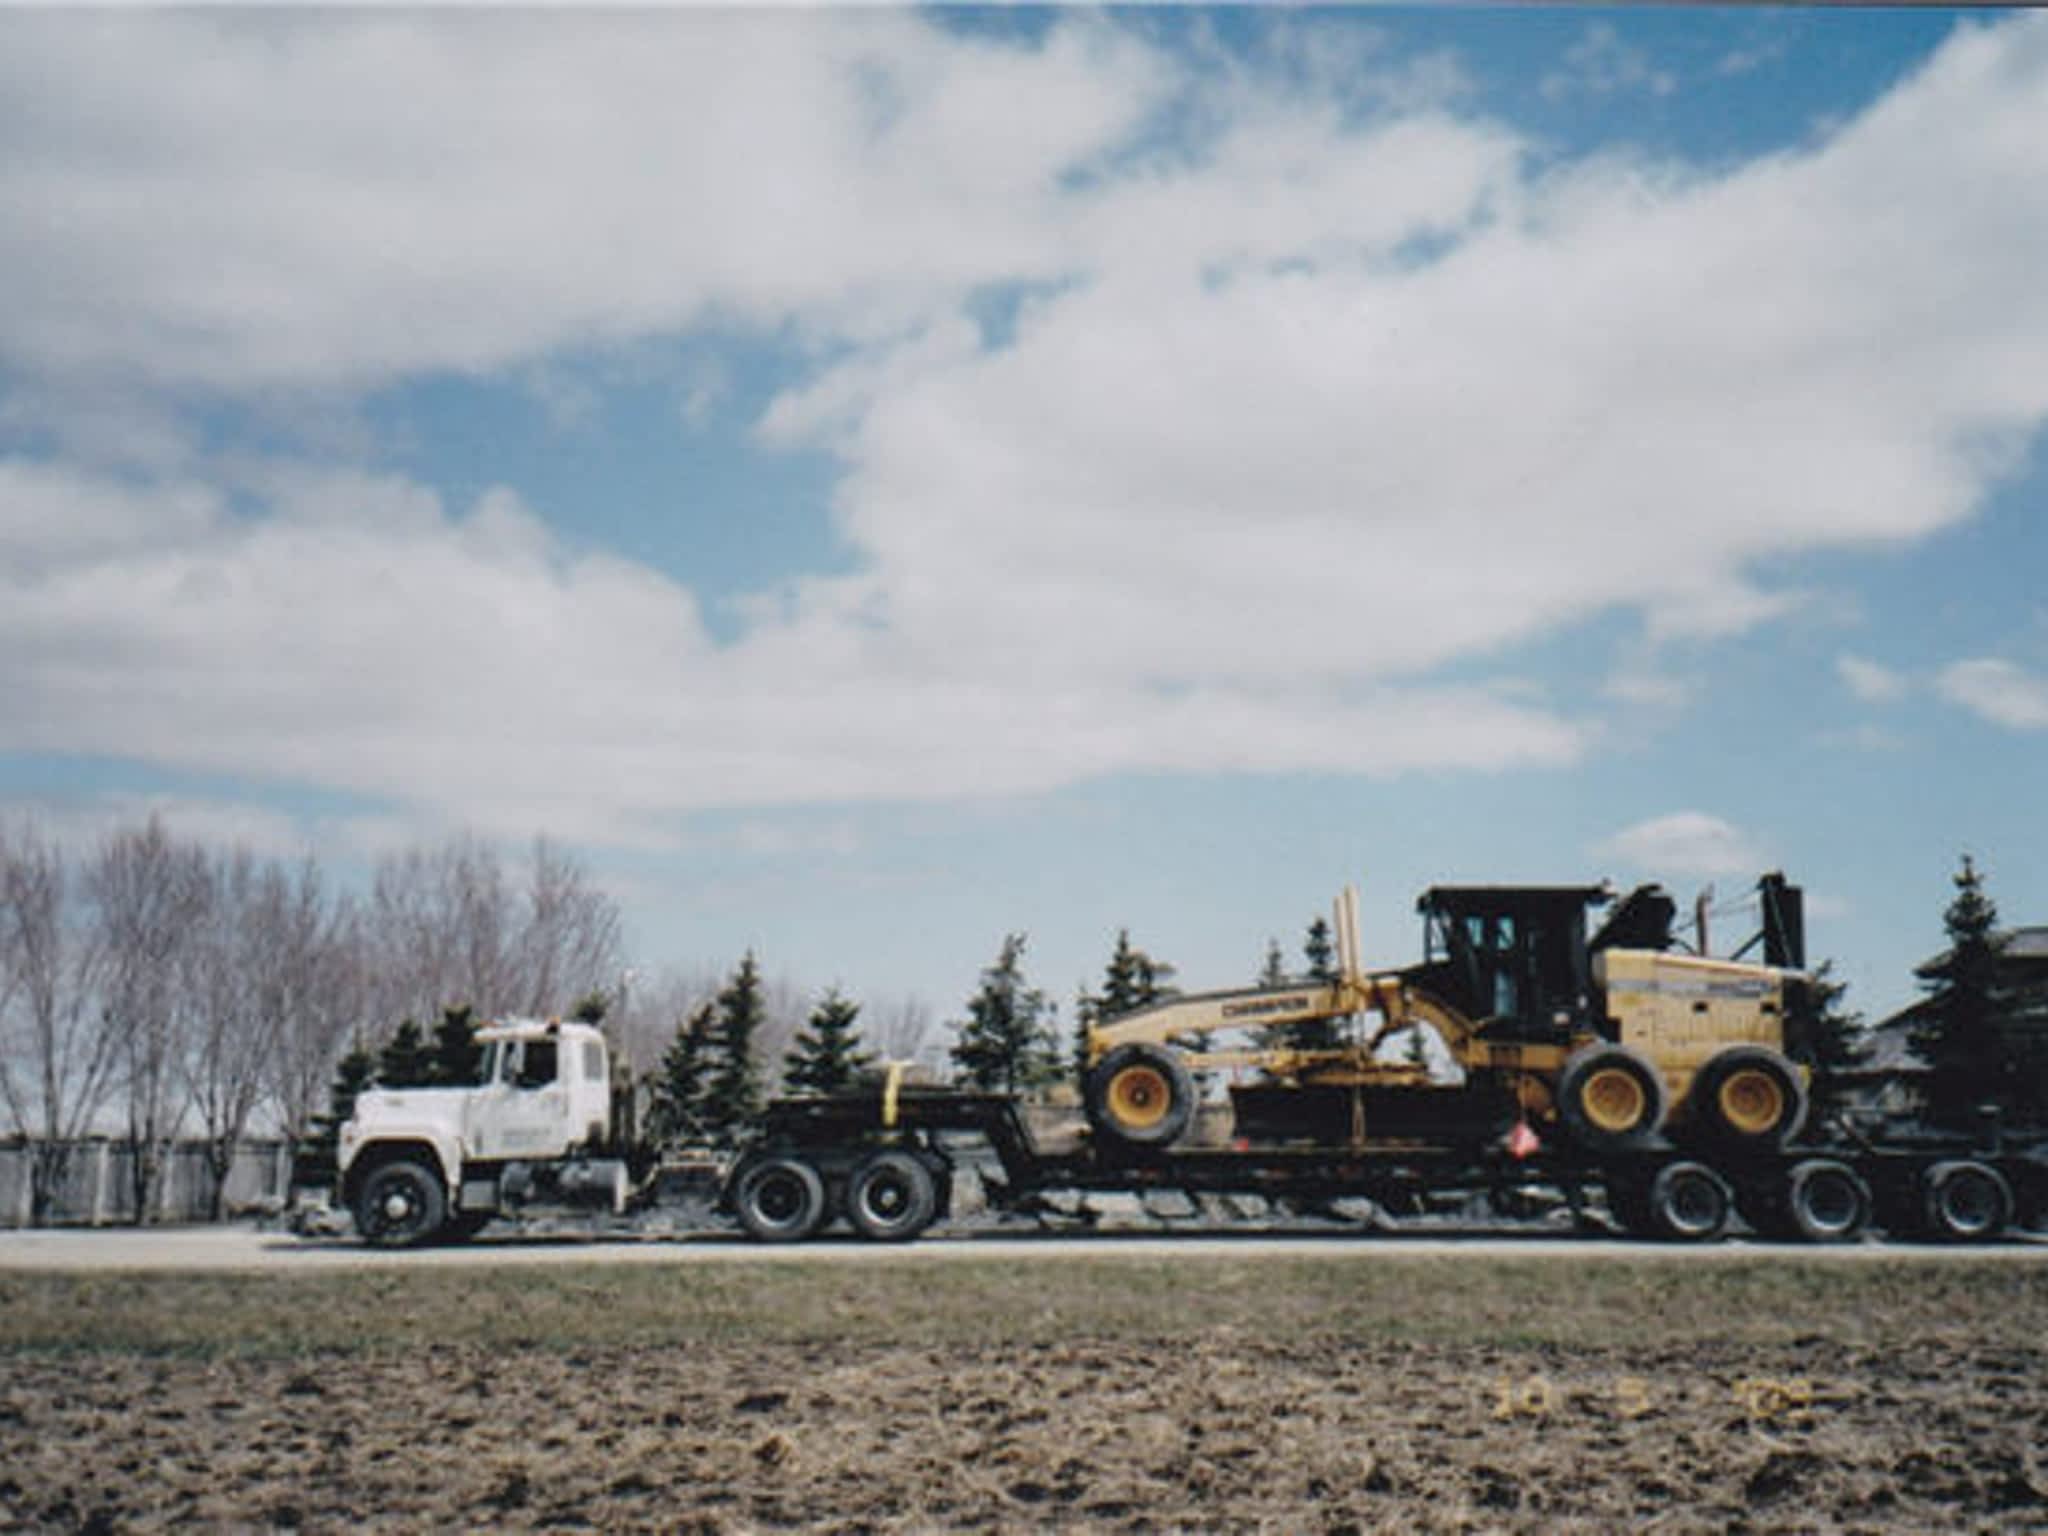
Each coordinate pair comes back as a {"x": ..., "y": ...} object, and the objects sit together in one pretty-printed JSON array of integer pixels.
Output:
[{"x": 873, "y": 480}]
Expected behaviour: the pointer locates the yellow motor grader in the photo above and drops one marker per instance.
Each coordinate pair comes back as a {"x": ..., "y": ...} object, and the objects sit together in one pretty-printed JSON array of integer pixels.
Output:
[{"x": 1609, "y": 1037}]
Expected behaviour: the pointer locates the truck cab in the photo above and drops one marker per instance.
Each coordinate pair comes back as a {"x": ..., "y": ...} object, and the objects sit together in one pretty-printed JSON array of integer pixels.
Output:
[{"x": 417, "y": 1162}]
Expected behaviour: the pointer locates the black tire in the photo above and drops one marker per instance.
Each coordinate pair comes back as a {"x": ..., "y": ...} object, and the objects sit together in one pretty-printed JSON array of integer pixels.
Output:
[
  {"x": 464, "y": 1225},
  {"x": 1964, "y": 1202},
  {"x": 891, "y": 1198},
  {"x": 1141, "y": 1096},
  {"x": 1825, "y": 1201},
  {"x": 780, "y": 1200},
  {"x": 1610, "y": 1099},
  {"x": 1689, "y": 1203},
  {"x": 1749, "y": 1097},
  {"x": 401, "y": 1205}
]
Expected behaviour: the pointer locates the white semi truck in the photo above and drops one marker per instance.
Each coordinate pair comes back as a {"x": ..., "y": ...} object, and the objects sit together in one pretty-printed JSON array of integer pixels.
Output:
[{"x": 536, "y": 1132}]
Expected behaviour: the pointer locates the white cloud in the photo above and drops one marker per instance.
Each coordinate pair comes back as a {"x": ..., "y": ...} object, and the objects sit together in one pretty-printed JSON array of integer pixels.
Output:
[
  {"x": 1599, "y": 63},
  {"x": 1685, "y": 843},
  {"x": 1870, "y": 681},
  {"x": 1298, "y": 410},
  {"x": 1999, "y": 691}
]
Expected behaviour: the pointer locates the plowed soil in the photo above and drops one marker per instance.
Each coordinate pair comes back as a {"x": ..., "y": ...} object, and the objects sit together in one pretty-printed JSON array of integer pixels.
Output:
[{"x": 1026, "y": 1422}]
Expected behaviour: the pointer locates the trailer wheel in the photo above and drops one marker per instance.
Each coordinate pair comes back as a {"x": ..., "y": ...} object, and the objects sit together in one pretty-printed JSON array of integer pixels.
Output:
[
  {"x": 1140, "y": 1095},
  {"x": 1749, "y": 1096},
  {"x": 1610, "y": 1098},
  {"x": 1964, "y": 1202},
  {"x": 891, "y": 1198},
  {"x": 401, "y": 1205},
  {"x": 781, "y": 1200},
  {"x": 1689, "y": 1203},
  {"x": 1826, "y": 1201}
]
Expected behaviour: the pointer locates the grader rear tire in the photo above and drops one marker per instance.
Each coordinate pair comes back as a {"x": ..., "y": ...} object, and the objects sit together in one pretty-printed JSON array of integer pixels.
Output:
[
  {"x": 1749, "y": 1097},
  {"x": 1610, "y": 1098},
  {"x": 1141, "y": 1096}
]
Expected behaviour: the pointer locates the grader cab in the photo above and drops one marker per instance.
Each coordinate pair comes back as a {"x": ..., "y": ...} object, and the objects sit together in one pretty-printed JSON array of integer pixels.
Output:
[{"x": 1607, "y": 1036}]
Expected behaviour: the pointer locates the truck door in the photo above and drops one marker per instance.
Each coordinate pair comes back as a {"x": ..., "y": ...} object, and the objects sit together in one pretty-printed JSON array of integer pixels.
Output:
[{"x": 525, "y": 1112}]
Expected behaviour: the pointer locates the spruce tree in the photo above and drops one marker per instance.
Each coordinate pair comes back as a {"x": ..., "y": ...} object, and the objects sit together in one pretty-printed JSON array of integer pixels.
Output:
[
  {"x": 825, "y": 1057},
  {"x": 732, "y": 1096},
  {"x": 405, "y": 1061},
  {"x": 1320, "y": 952},
  {"x": 1961, "y": 1037},
  {"x": 314, "y": 1166},
  {"x": 457, "y": 1058},
  {"x": 1131, "y": 980},
  {"x": 1274, "y": 972},
  {"x": 677, "y": 1111},
  {"x": 1823, "y": 1035},
  {"x": 1006, "y": 1044},
  {"x": 1321, "y": 955}
]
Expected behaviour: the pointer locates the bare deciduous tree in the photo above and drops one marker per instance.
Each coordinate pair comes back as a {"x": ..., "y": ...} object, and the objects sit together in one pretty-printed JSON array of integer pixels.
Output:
[
  {"x": 449, "y": 928},
  {"x": 147, "y": 893},
  {"x": 317, "y": 991},
  {"x": 57, "y": 1057}
]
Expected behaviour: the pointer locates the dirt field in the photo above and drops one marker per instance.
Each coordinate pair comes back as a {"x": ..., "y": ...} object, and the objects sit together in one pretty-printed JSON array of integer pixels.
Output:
[{"x": 1302, "y": 1394}]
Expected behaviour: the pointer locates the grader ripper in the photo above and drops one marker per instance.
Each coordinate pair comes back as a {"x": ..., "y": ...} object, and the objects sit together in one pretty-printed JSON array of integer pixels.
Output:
[{"x": 1606, "y": 1039}]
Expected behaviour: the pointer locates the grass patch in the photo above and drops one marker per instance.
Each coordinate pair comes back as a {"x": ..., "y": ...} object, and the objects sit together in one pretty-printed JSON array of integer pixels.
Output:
[{"x": 1512, "y": 1302}]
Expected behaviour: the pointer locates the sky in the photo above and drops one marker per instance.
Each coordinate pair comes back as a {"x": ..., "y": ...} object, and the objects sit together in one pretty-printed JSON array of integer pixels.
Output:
[{"x": 872, "y": 480}]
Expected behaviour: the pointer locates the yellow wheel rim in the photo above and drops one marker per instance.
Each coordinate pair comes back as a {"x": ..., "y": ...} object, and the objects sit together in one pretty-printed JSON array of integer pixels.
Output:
[
  {"x": 1752, "y": 1102},
  {"x": 1614, "y": 1100},
  {"x": 1139, "y": 1097}
]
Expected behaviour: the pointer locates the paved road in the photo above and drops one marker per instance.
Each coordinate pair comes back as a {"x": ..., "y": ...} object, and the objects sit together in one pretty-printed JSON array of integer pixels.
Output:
[{"x": 243, "y": 1248}]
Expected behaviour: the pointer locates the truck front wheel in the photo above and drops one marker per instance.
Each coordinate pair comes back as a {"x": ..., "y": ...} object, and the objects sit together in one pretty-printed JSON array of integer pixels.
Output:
[
  {"x": 401, "y": 1204},
  {"x": 781, "y": 1200}
]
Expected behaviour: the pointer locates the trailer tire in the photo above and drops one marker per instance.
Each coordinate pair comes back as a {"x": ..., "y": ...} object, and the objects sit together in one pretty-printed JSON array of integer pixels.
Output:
[
  {"x": 891, "y": 1198},
  {"x": 400, "y": 1205},
  {"x": 1964, "y": 1202},
  {"x": 1689, "y": 1203},
  {"x": 1140, "y": 1095},
  {"x": 1749, "y": 1097},
  {"x": 1825, "y": 1201},
  {"x": 780, "y": 1200},
  {"x": 1610, "y": 1098}
]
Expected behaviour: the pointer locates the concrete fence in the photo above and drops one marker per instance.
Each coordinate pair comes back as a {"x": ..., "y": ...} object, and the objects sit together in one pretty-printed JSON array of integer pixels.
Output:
[{"x": 98, "y": 1187}]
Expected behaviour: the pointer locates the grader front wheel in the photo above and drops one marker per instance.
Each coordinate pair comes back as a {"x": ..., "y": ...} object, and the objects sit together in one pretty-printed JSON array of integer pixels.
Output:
[{"x": 1140, "y": 1095}]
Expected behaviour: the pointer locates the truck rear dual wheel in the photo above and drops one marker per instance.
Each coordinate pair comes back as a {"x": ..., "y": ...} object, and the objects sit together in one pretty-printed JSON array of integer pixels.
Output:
[
  {"x": 400, "y": 1205},
  {"x": 1140, "y": 1095},
  {"x": 891, "y": 1198},
  {"x": 781, "y": 1200}
]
